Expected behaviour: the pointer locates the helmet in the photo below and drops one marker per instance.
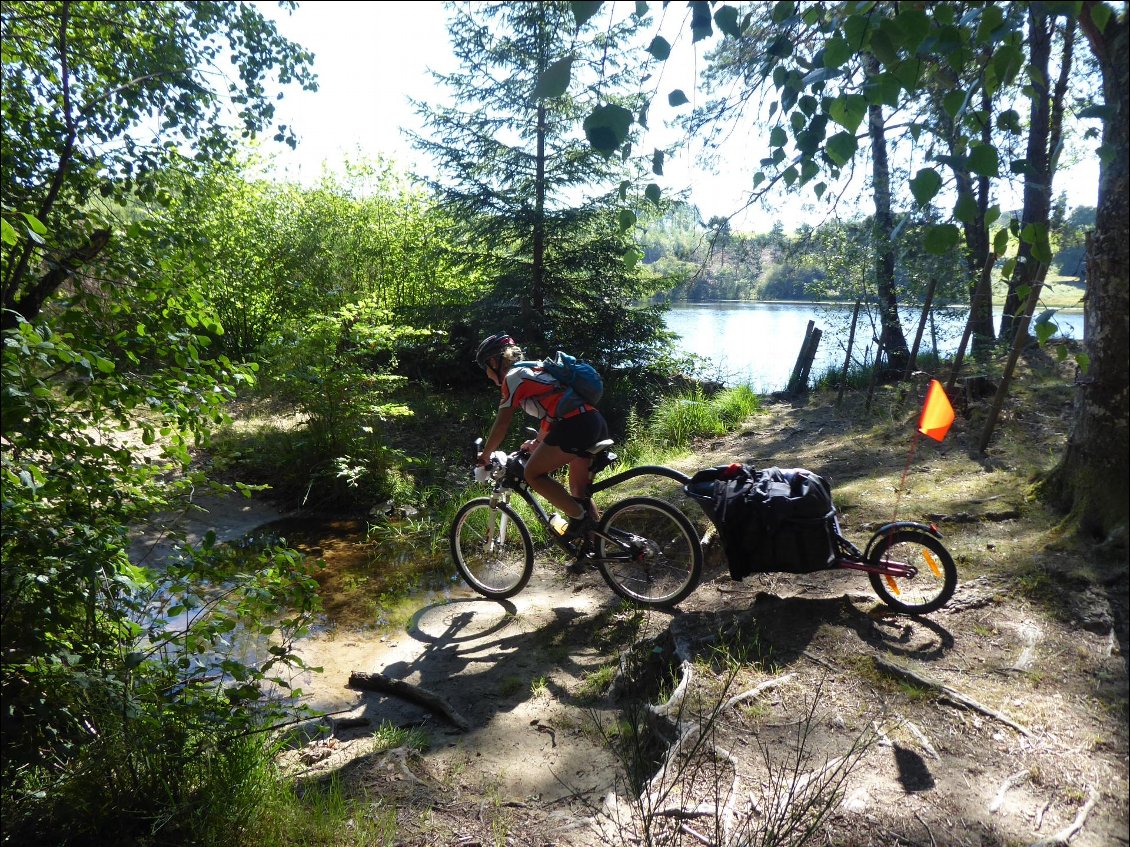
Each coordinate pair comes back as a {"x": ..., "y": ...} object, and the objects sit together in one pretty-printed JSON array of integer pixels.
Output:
[{"x": 492, "y": 346}]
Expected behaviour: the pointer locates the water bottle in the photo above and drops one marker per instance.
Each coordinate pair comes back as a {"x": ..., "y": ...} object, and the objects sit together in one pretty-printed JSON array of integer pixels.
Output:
[{"x": 559, "y": 524}]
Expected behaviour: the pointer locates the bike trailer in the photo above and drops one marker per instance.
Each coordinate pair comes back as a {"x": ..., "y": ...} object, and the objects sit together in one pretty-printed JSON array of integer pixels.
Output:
[{"x": 769, "y": 520}]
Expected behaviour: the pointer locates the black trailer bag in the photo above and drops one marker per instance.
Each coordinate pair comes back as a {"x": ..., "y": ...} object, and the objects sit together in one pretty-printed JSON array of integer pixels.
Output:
[{"x": 769, "y": 520}]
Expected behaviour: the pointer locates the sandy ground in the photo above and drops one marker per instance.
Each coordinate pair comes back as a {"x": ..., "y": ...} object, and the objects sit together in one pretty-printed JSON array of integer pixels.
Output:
[{"x": 1045, "y": 758}]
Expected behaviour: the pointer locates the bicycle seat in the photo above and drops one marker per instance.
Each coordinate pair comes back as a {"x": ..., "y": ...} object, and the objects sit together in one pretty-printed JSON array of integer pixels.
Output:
[{"x": 599, "y": 447}]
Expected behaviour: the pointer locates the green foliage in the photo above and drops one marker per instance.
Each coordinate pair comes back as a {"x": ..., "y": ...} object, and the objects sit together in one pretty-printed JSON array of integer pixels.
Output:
[
  {"x": 679, "y": 419},
  {"x": 118, "y": 680},
  {"x": 550, "y": 250},
  {"x": 98, "y": 101}
]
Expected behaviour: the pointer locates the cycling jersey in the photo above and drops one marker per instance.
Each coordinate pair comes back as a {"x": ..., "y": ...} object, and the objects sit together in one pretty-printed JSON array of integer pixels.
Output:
[{"x": 538, "y": 394}]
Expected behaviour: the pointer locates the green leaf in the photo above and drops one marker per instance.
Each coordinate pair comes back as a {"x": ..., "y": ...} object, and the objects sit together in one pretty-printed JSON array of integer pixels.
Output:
[
  {"x": 584, "y": 9},
  {"x": 8, "y": 233},
  {"x": 781, "y": 47},
  {"x": 778, "y": 137},
  {"x": 848, "y": 111},
  {"x": 626, "y": 219},
  {"x": 607, "y": 127},
  {"x": 652, "y": 193},
  {"x": 965, "y": 210},
  {"x": 641, "y": 8},
  {"x": 882, "y": 48},
  {"x": 983, "y": 160},
  {"x": 883, "y": 88},
  {"x": 1007, "y": 62},
  {"x": 1100, "y": 14},
  {"x": 555, "y": 81},
  {"x": 790, "y": 176},
  {"x": 700, "y": 20},
  {"x": 1083, "y": 361},
  {"x": 677, "y": 98},
  {"x": 1046, "y": 326},
  {"x": 819, "y": 189},
  {"x": 783, "y": 10},
  {"x": 632, "y": 257},
  {"x": 953, "y": 101},
  {"x": 660, "y": 48},
  {"x": 36, "y": 225},
  {"x": 1009, "y": 121},
  {"x": 837, "y": 50},
  {"x": 925, "y": 185},
  {"x": 909, "y": 72},
  {"x": 941, "y": 238},
  {"x": 727, "y": 19},
  {"x": 1097, "y": 111},
  {"x": 841, "y": 147},
  {"x": 657, "y": 163},
  {"x": 915, "y": 27},
  {"x": 624, "y": 186}
]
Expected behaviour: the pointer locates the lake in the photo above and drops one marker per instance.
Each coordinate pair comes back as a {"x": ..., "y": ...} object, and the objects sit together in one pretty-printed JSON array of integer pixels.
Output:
[{"x": 758, "y": 343}]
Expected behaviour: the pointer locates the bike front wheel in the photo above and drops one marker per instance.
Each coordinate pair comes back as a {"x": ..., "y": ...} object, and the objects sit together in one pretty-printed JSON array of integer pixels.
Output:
[
  {"x": 648, "y": 552},
  {"x": 933, "y": 585},
  {"x": 492, "y": 548}
]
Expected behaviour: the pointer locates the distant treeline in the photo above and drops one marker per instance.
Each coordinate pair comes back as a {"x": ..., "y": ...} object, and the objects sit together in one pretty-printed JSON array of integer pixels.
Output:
[{"x": 706, "y": 260}]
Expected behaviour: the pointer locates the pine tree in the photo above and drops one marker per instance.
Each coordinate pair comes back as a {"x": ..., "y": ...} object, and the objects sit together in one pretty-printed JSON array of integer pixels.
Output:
[{"x": 538, "y": 202}]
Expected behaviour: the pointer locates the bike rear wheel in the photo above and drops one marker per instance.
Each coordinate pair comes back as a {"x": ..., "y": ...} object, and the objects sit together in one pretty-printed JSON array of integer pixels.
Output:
[
  {"x": 664, "y": 564},
  {"x": 492, "y": 548},
  {"x": 933, "y": 585}
]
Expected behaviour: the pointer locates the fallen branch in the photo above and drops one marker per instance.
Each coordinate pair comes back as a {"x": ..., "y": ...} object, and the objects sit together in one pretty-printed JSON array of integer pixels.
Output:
[
  {"x": 406, "y": 691},
  {"x": 1061, "y": 838},
  {"x": 947, "y": 693}
]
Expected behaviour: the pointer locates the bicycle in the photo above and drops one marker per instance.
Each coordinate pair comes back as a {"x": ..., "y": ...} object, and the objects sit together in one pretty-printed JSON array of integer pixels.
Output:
[{"x": 645, "y": 549}]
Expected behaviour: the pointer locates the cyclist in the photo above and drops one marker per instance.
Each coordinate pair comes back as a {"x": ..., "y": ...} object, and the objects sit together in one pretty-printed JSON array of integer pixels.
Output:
[{"x": 568, "y": 427}]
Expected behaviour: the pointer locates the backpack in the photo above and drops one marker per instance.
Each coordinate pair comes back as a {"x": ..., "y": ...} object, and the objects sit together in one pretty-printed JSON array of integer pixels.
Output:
[
  {"x": 769, "y": 520},
  {"x": 577, "y": 375}
]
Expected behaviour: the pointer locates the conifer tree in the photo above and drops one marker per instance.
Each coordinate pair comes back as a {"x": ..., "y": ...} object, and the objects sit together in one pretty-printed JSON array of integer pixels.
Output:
[{"x": 538, "y": 201}]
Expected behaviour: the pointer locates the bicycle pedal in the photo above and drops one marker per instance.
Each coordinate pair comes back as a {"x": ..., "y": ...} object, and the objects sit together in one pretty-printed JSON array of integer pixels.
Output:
[{"x": 575, "y": 568}]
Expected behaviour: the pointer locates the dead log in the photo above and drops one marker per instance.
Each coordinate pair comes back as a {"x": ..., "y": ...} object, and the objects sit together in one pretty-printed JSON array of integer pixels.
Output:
[{"x": 406, "y": 691}]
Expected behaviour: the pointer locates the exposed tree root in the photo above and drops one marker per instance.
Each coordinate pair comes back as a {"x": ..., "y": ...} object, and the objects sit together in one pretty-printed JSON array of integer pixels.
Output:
[
  {"x": 1064, "y": 836},
  {"x": 948, "y": 693}
]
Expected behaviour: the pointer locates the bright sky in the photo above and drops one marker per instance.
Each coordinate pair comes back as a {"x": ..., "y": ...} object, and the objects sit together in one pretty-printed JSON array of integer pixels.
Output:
[{"x": 371, "y": 57}]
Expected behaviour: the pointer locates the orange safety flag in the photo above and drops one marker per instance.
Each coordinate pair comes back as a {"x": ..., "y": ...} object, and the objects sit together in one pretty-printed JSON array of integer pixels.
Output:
[{"x": 937, "y": 413}]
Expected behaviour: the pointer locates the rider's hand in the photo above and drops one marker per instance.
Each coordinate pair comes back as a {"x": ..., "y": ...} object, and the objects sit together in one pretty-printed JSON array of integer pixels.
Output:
[
  {"x": 531, "y": 445},
  {"x": 483, "y": 461}
]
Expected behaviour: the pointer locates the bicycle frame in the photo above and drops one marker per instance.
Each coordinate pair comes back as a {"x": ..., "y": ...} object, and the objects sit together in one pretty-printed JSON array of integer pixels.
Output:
[{"x": 511, "y": 482}]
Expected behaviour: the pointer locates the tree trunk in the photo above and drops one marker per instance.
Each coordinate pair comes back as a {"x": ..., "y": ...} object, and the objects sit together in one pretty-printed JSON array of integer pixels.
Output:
[
  {"x": 975, "y": 229},
  {"x": 893, "y": 340},
  {"x": 1090, "y": 478},
  {"x": 1037, "y": 173}
]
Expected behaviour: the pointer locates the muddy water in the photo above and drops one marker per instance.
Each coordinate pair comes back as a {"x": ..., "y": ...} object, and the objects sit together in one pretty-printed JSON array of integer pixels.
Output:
[{"x": 362, "y": 580}]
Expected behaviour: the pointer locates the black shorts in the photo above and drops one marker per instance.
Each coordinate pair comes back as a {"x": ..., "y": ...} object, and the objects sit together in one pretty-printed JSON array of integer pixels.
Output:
[{"x": 578, "y": 433}]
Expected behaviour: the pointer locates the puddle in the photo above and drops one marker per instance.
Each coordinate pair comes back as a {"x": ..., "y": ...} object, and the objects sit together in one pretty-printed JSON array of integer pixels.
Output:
[{"x": 364, "y": 582}]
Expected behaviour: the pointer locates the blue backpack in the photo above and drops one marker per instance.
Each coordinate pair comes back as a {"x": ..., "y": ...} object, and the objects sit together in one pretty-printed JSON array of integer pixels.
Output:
[{"x": 577, "y": 375}]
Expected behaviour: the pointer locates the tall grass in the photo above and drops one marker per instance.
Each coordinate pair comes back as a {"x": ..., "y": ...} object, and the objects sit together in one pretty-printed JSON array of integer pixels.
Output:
[{"x": 680, "y": 419}]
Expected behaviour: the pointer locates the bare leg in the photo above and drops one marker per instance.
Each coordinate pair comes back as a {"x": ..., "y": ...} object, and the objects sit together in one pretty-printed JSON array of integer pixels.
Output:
[
  {"x": 544, "y": 461},
  {"x": 579, "y": 481}
]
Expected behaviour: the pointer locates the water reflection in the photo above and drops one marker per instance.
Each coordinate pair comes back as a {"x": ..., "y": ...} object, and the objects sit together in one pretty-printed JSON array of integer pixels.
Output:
[{"x": 758, "y": 343}]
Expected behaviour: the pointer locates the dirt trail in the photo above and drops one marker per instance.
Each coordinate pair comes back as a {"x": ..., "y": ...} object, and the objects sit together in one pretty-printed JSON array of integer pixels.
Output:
[{"x": 1036, "y": 634}]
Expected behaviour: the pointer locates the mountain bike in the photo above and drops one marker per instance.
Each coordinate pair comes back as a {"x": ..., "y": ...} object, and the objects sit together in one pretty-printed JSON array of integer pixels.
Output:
[{"x": 645, "y": 549}]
